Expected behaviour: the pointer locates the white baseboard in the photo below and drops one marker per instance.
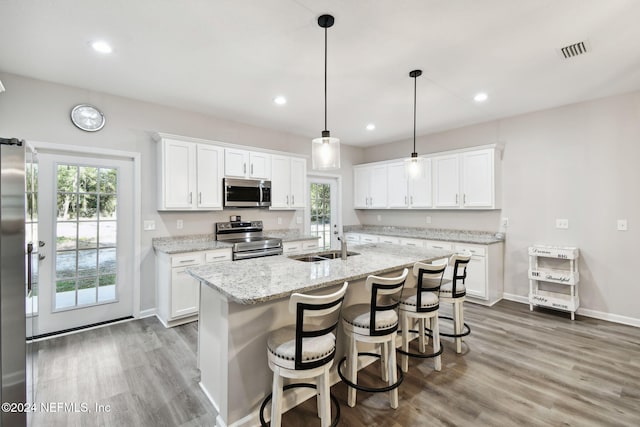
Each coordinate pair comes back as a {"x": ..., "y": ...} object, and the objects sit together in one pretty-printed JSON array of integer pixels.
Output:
[
  {"x": 610, "y": 317},
  {"x": 516, "y": 298},
  {"x": 147, "y": 313}
]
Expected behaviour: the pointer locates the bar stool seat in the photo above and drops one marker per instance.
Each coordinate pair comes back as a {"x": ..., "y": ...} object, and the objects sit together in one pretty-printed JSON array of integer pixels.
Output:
[
  {"x": 374, "y": 323},
  {"x": 305, "y": 350},
  {"x": 420, "y": 305}
]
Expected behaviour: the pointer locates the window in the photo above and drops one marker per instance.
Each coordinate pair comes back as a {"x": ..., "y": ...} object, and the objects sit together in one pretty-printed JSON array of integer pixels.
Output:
[{"x": 321, "y": 213}]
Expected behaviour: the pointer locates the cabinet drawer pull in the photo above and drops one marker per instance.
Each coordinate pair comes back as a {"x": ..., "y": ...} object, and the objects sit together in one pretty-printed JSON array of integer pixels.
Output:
[
  {"x": 200, "y": 197},
  {"x": 411, "y": 200},
  {"x": 244, "y": 168},
  {"x": 464, "y": 199},
  {"x": 251, "y": 168},
  {"x": 410, "y": 244},
  {"x": 187, "y": 260},
  {"x": 437, "y": 247},
  {"x": 456, "y": 198},
  {"x": 190, "y": 198},
  {"x": 287, "y": 200},
  {"x": 405, "y": 200},
  {"x": 219, "y": 257}
]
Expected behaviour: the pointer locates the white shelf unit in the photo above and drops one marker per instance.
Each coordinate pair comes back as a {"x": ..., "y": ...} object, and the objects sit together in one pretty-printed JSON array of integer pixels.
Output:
[{"x": 554, "y": 277}]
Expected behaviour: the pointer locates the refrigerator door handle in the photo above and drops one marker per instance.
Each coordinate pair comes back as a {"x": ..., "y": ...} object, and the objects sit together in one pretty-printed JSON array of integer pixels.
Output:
[{"x": 29, "y": 281}]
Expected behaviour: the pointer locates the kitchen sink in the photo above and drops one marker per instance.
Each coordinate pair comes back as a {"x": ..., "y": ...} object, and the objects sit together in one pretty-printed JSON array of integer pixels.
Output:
[{"x": 321, "y": 256}]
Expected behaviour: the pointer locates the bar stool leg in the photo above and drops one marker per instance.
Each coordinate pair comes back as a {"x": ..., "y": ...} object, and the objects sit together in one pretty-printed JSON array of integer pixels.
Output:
[
  {"x": 276, "y": 399},
  {"x": 393, "y": 373},
  {"x": 352, "y": 356},
  {"x": 405, "y": 342},
  {"x": 384, "y": 351},
  {"x": 459, "y": 323},
  {"x": 421, "y": 338},
  {"x": 319, "y": 402},
  {"x": 325, "y": 410},
  {"x": 435, "y": 328}
]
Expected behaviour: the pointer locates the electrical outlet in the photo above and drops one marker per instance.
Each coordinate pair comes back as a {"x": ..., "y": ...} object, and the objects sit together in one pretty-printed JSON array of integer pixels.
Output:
[
  {"x": 505, "y": 222},
  {"x": 622, "y": 225},
  {"x": 179, "y": 224},
  {"x": 279, "y": 220},
  {"x": 562, "y": 223},
  {"x": 149, "y": 225},
  {"x": 379, "y": 218},
  {"x": 428, "y": 219}
]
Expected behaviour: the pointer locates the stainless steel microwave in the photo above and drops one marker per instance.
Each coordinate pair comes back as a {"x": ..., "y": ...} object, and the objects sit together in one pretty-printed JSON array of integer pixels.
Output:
[{"x": 246, "y": 193}]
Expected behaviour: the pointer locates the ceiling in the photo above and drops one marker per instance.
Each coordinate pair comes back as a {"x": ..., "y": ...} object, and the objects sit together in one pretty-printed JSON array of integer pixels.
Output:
[{"x": 230, "y": 58}]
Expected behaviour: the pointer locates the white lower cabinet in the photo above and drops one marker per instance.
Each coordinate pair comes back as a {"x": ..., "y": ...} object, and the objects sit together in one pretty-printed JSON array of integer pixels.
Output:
[
  {"x": 178, "y": 293},
  {"x": 300, "y": 245},
  {"x": 412, "y": 242},
  {"x": 484, "y": 282}
]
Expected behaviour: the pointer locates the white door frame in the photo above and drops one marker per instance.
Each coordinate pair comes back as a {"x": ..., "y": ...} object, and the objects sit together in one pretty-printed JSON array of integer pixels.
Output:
[
  {"x": 137, "y": 203},
  {"x": 324, "y": 176}
]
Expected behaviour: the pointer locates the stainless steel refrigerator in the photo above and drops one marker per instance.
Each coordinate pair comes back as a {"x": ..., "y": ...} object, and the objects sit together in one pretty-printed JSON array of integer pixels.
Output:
[{"x": 15, "y": 284}]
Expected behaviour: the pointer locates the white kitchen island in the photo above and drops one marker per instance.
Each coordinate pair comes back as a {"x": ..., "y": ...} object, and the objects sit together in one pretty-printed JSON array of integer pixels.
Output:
[{"x": 241, "y": 302}]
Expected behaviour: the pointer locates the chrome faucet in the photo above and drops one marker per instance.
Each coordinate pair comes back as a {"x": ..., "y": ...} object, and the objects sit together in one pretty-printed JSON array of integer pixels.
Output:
[{"x": 343, "y": 247}]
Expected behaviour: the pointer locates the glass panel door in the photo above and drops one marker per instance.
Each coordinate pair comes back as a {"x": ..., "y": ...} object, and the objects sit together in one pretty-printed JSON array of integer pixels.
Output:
[
  {"x": 321, "y": 213},
  {"x": 85, "y": 215}
]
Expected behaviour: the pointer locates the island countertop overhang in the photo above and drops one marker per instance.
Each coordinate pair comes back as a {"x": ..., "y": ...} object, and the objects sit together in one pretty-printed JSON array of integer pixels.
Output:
[{"x": 259, "y": 280}]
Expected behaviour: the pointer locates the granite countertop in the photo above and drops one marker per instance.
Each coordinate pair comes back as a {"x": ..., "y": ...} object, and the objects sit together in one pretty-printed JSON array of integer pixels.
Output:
[
  {"x": 460, "y": 236},
  {"x": 257, "y": 280},
  {"x": 287, "y": 235},
  {"x": 191, "y": 243},
  {"x": 204, "y": 242}
]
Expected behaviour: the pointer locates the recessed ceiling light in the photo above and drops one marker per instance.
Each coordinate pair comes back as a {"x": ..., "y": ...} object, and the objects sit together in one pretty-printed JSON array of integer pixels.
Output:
[
  {"x": 481, "y": 97},
  {"x": 280, "y": 100},
  {"x": 101, "y": 46},
  {"x": 371, "y": 126}
]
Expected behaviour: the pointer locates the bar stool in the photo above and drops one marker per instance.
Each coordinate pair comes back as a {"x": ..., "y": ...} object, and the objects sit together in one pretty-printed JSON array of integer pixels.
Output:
[
  {"x": 453, "y": 292},
  {"x": 305, "y": 350},
  {"x": 420, "y": 304},
  {"x": 375, "y": 323}
]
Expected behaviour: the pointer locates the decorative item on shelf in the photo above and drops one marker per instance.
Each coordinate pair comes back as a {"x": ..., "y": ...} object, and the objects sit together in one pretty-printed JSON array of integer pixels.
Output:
[
  {"x": 87, "y": 117},
  {"x": 414, "y": 163},
  {"x": 325, "y": 151}
]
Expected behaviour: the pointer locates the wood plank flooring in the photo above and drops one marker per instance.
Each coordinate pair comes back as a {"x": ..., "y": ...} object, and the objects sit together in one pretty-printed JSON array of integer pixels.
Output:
[{"x": 517, "y": 369}]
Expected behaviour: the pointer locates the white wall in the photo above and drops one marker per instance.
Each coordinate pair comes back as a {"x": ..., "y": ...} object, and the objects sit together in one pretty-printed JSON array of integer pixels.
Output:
[
  {"x": 578, "y": 162},
  {"x": 39, "y": 111}
]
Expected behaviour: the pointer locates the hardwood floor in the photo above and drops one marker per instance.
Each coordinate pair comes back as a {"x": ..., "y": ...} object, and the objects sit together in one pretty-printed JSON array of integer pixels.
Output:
[{"x": 517, "y": 369}]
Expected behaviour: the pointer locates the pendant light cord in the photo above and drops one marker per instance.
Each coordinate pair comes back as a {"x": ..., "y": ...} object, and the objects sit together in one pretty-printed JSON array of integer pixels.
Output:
[
  {"x": 325, "y": 79},
  {"x": 415, "y": 97}
]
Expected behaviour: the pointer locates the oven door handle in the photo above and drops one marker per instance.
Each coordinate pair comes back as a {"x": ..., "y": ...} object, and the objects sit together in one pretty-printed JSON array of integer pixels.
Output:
[{"x": 255, "y": 254}]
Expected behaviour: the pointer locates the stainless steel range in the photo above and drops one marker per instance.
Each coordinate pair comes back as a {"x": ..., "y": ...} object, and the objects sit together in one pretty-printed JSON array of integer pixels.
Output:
[{"x": 248, "y": 240}]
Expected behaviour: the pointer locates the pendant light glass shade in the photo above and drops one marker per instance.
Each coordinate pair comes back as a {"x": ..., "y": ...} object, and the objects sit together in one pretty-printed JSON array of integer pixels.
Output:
[
  {"x": 325, "y": 151},
  {"x": 414, "y": 165}
]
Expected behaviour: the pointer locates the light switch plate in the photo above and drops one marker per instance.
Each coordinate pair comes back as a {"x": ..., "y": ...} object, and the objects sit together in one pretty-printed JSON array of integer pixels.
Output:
[
  {"x": 622, "y": 225},
  {"x": 562, "y": 223},
  {"x": 149, "y": 225}
]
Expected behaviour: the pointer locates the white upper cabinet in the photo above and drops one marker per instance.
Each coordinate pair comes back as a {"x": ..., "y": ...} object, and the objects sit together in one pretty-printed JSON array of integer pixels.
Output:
[
  {"x": 446, "y": 181},
  {"x": 189, "y": 175},
  {"x": 370, "y": 186},
  {"x": 246, "y": 164},
  {"x": 209, "y": 160},
  {"x": 477, "y": 179},
  {"x": 397, "y": 181},
  {"x": 406, "y": 191},
  {"x": 288, "y": 182},
  {"x": 461, "y": 179}
]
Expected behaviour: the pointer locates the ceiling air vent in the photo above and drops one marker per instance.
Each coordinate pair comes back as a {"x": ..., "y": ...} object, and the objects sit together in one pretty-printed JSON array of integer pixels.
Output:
[{"x": 575, "y": 49}]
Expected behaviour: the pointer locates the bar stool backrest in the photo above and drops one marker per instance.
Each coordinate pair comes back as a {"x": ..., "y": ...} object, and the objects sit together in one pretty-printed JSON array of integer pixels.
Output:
[
  {"x": 316, "y": 315},
  {"x": 459, "y": 263},
  {"x": 382, "y": 290},
  {"x": 429, "y": 279}
]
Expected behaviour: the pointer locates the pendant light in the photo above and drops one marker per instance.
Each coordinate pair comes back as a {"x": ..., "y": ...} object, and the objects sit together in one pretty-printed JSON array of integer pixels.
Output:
[
  {"x": 325, "y": 151},
  {"x": 414, "y": 163}
]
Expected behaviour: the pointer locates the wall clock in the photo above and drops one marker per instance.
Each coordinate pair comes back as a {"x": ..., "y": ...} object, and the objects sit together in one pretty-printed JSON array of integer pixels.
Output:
[{"x": 87, "y": 117}]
